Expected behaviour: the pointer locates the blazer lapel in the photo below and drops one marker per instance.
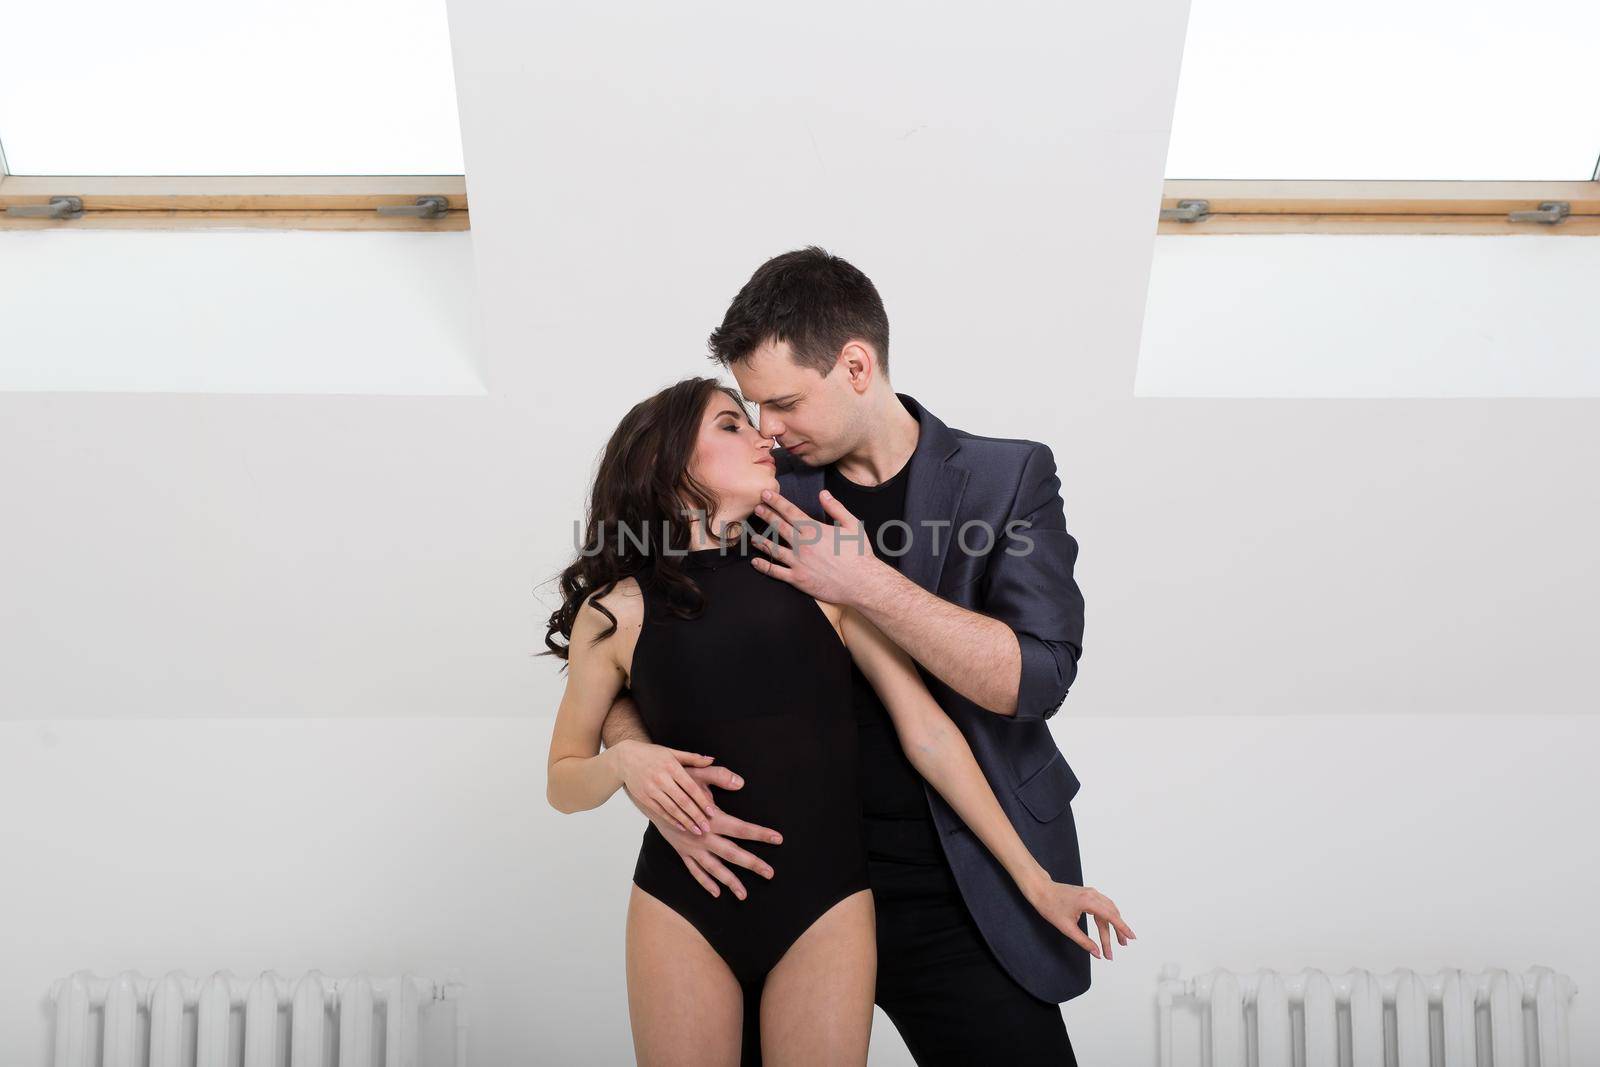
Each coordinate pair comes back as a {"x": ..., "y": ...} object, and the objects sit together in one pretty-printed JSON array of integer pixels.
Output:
[
  {"x": 933, "y": 498},
  {"x": 802, "y": 486}
]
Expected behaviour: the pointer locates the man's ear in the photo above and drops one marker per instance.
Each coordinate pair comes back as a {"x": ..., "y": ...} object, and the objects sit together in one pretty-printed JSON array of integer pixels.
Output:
[{"x": 860, "y": 364}]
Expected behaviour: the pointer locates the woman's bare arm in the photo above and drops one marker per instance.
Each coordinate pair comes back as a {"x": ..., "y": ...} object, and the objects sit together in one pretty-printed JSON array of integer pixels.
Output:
[
  {"x": 940, "y": 753},
  {"x": 655, "y": 778},
  {"x": 580, "y": 776}
]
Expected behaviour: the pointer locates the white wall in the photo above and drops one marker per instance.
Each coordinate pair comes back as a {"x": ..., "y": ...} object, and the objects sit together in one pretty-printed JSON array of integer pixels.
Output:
[
  {"x": 1306, "y": 315},
  {"x": 239, "y": 311},
  {"x": 426, "y": 845},
  {"x": 302, "y": 604}
]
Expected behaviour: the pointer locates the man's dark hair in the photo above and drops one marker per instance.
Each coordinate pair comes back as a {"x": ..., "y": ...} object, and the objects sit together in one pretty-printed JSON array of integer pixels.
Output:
[{"x": 813, "y": 300}]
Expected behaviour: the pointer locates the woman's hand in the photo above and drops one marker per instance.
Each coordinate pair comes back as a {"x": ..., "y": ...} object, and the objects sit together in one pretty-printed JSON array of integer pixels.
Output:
[
  {"x": 1061, "y": 903},
  {"x": 656, "y": 778}
]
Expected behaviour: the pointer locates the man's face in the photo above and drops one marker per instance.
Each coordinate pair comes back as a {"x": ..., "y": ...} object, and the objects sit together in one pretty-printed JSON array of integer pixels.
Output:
[{"x": 812, "y": 417}]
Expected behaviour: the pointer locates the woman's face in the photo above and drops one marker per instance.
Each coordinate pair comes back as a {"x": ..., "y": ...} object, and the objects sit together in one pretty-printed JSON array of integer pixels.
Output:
[{"x": 732, "y": 459}]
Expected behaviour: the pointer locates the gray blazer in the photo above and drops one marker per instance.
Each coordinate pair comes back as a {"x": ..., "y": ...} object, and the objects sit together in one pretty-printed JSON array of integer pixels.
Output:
[{"x": 958, "y": 478}]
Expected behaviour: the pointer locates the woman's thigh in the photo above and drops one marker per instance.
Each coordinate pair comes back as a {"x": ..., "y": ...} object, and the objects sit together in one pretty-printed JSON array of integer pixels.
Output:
[
  {"x": 685, "y": 1005},
  {"x": 816, "y": 1006}
]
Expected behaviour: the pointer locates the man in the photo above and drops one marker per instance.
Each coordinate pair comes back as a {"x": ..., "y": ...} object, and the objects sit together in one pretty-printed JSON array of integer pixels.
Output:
[{"x": 968, "y": 567}]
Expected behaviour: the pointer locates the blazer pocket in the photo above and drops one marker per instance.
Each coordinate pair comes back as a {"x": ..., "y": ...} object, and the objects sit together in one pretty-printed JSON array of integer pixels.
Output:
[
  {"x": 1049, "y": 789},
  {"x": 953, "y": 582}
]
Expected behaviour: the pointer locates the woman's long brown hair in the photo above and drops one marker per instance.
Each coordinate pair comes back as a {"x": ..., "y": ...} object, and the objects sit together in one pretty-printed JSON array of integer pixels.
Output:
[{"x": 641, "y": 508}]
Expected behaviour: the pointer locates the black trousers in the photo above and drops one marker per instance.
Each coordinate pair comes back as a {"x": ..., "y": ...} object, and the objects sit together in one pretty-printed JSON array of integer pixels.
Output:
[{"x": 938, "y": 980}]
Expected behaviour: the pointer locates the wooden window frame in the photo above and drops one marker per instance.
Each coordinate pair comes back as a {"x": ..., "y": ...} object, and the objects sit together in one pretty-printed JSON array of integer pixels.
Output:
[
  {"x": 1431, "y": 207},
  {"x": 300, "y": 202}
]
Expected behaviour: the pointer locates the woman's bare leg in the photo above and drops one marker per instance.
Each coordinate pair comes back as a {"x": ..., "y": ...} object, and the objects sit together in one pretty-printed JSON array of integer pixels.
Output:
[
  {"x": 816, "y": 1007},
  {"x": 685, "y": 1005}
]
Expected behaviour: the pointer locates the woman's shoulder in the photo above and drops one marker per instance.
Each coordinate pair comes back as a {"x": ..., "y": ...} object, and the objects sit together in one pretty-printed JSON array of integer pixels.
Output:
[
  {"x": 620, "y": 607},
  {"x": 624, "y": 601}
]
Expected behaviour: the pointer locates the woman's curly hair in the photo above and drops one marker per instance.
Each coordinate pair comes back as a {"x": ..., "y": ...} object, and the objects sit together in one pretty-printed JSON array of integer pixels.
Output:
[{"x": 640, "y": 509}]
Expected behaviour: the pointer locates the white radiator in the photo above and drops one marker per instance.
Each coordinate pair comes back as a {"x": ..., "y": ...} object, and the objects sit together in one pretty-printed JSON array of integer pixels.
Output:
[
  {"x": 267, "y": 1021},
  {"x": 1360, "y": 1019}
]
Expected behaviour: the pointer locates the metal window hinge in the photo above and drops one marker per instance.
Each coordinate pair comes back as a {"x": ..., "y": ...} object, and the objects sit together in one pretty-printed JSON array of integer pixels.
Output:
[
  {"x": 1186, "y": 211},
  {"x": 1549, "y": 211},
  {"x": 426, "y": 207},
  {"x": 59, "y": 207}
]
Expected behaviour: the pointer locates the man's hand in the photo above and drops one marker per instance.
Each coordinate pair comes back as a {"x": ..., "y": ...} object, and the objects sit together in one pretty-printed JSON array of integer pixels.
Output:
[
  {"x": 707, "y": 855},
  {"x": 835, "y": 563}
]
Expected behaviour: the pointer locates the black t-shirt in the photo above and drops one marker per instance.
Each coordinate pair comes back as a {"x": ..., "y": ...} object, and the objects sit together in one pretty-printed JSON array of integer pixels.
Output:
[{"x": 894, "y": 803}]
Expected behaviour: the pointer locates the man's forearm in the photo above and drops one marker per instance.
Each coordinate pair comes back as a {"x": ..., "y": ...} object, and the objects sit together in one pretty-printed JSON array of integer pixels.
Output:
[
  {"x": 623, "y": 723},
  {"x": 977, "y": 656}
]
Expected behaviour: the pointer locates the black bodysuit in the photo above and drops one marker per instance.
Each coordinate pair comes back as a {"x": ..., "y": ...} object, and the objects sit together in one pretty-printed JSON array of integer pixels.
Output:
[{"x": 760, "y": 682}]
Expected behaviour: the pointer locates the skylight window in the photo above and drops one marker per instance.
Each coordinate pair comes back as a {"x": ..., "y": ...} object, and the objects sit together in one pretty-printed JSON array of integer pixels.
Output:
[
  {"x": 1368, "y": 90},
  {"x": 192, "y": 87}
]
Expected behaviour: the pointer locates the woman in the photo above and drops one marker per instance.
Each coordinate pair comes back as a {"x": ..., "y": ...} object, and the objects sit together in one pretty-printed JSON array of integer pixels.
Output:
[{"x": 725, "y": 663}]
